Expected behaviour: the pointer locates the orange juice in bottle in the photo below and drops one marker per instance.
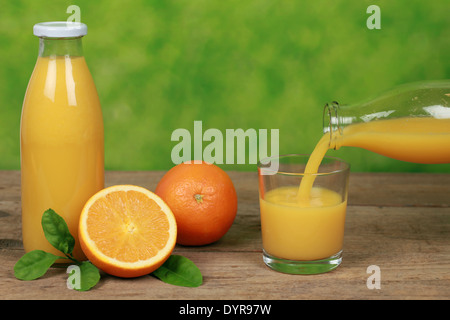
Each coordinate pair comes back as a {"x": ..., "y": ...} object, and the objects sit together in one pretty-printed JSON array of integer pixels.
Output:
[
  {"x": 409, "y": 123},
  {"x": 61, "y": 135}
]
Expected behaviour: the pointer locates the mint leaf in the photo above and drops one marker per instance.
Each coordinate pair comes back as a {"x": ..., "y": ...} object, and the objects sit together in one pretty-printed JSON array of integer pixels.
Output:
[
  {"x": 82, "y": 276},
  {"x": 34, "y": 264},
  {"x": 179, "y": 271},
  {"x": 89, "y": 275},
  {"x": 57, "y": 232}
]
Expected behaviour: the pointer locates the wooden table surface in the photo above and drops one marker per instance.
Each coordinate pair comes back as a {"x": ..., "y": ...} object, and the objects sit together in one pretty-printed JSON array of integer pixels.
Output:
[{"x": 398, "y": 222}]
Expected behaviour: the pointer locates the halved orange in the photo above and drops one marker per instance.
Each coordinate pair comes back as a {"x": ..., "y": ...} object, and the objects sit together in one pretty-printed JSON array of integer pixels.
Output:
[{"x": 127, "y": 231}]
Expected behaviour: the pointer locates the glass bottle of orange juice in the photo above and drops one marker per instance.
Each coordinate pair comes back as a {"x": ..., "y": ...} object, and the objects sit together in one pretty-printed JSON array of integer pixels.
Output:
[
  {"x": 409, "y": 123},
  {"x": 61, "y": 135}
]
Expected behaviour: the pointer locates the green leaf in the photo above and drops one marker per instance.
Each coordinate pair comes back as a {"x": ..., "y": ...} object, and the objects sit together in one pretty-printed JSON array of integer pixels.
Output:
[
  {"x": 83, "y": 276},
  {"x": 179, "y": 271},
  {"x": 33, "y": 264},
  {"x": 57, "y": 232},
  {"x": 90, "y": 275}
]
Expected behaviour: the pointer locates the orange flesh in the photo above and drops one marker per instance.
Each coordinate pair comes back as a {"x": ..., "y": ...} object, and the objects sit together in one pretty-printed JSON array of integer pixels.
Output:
[{"x": 134, "y": 228}]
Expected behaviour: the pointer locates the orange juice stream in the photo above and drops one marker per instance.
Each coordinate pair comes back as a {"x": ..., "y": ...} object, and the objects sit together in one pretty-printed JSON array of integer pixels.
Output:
[
  {"x": 411, "y": 139},
  {"x": 307, "y": 222},
  {"x": 61, "y": 146}
]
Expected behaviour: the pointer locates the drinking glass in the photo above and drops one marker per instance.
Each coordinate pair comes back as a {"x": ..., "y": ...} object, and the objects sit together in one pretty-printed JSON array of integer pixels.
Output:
[{"x": 302, "y": 235}]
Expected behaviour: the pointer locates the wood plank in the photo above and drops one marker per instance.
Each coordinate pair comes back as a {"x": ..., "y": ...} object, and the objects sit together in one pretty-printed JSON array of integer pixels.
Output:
[
  {"x": 388, "y": 224},
  {"x": 377, "y": 189},
  {"x": 382, "y": 189},
  {"x": 399, "y": 189}
]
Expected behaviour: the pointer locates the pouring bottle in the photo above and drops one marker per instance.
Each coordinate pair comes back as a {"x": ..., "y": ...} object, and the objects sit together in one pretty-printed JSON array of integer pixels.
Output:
[{"x": 409, "y": 123}]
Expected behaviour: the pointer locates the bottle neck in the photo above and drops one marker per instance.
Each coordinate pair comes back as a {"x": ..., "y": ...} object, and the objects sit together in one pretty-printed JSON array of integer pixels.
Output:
[
  {"x": 60, "y": 47},
  {"x": 332, "y": 123}
]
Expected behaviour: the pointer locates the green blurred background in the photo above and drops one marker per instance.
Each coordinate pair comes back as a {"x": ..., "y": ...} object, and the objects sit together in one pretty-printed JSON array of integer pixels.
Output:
[{"x": 263, "y": 64}]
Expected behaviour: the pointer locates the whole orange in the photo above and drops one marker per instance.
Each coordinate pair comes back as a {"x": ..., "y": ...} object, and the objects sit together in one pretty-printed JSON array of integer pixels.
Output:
[{"x": 203, "y": 199}]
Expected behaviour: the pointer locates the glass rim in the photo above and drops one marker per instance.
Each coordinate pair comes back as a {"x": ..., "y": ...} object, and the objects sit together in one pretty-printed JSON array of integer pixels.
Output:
[{"x": 346, "y": 165}]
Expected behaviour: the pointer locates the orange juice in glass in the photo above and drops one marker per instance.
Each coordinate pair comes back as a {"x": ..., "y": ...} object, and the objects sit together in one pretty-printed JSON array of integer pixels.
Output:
[
  {"x": 62, "y": 148},
  {"x": 302, "y": 235}
]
